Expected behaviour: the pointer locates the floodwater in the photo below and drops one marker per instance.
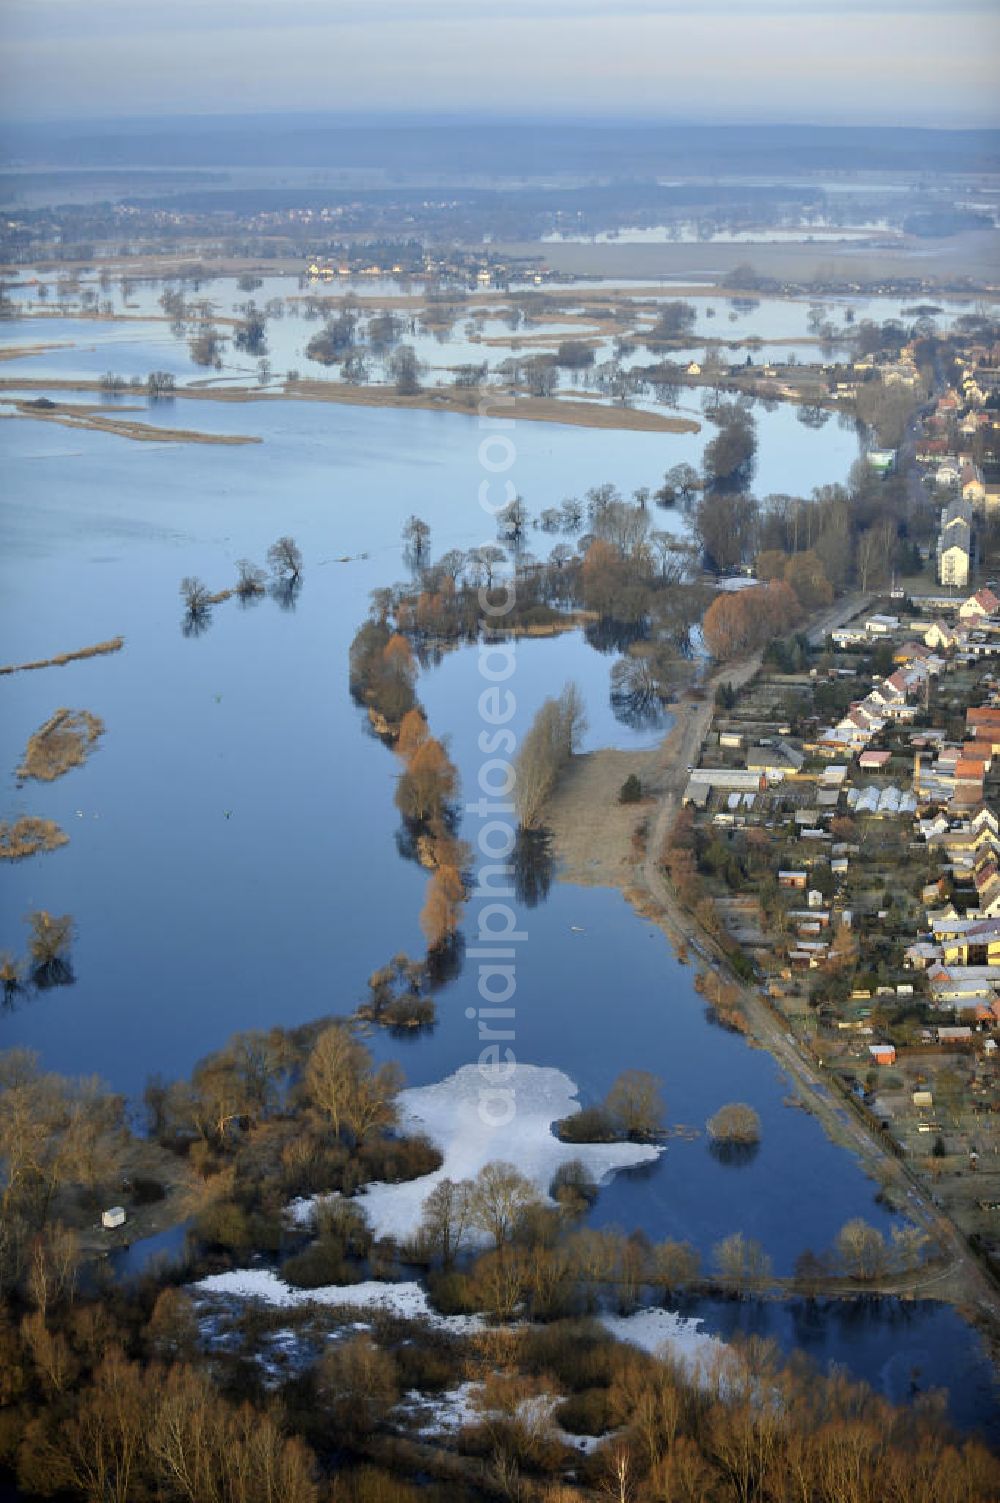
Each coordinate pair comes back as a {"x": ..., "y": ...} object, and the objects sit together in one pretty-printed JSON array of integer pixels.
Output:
[
  {"x": 690, "y": 233},
  {"x": 144, "y": 340},
  {"x": 233, "y": 860}
]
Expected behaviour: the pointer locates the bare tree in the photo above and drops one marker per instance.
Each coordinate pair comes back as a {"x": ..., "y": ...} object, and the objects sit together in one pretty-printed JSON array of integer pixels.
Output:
[
  {"x": 741, "y": 1262},
  {"x": 445, "y": 1219},
  {"x": 512, "y": 520},
  {"x": 452, "y": 564},
  {"x": 285, "y": 558},
  {"x": 334, "y": 1063},
  {"x": 250, "y": 579},
  {"x": 682, "y": 480},
  {"x": 416, "y": 539},
  {"x": 673, "y": 1265},
  {"x": 356, "y": 1385},
  {"x": 554, "y": 736},
  {"x": 623, "y": 525},
  {"x": 735, "y": 1123},
  {"x": 404, "y": 368},
  {"x": 571, "y": 511},
  {"x": 636, "y": 1103},
  {"x": 674, "y": 555},
  {"x": 861, "y": 1250},
  {"x": 49, "y": 942},
  {"x": 372, "y": 1105},
  {"x": 195, "y": 595},
  {"x": 483, "y": 563},
  {"x": 499, "y": 1197}
]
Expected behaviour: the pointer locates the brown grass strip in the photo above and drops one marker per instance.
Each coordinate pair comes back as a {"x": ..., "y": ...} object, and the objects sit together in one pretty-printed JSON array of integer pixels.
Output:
[
  {"x": 94, "y": 419},
  {"x": 114, "y": 644}
]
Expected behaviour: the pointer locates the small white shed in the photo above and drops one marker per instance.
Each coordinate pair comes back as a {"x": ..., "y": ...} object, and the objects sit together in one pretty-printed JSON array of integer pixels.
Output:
[{"x": 114, "y": 1216}]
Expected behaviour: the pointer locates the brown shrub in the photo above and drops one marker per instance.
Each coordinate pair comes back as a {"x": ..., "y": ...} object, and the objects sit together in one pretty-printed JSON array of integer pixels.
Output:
[
  {"x": 29, "y": 835},
  {"x": 64, "y": 741}
]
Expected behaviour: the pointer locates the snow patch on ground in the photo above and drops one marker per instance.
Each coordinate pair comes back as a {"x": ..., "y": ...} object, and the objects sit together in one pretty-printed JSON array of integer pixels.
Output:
[
  {"x": 407, "y": 1300},
  {"x": 449, "y": 1114},
  {"x": 445, "y": 1413},
  {"x": 664, "y": 1333}
]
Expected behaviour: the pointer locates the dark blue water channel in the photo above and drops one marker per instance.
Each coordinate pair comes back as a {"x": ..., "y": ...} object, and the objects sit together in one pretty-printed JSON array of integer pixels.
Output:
[{"x": 232, "y": 860}]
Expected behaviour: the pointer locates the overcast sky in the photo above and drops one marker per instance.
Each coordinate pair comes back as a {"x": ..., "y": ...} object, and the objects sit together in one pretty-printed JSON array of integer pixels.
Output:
[{"x": 920, "y": 62}]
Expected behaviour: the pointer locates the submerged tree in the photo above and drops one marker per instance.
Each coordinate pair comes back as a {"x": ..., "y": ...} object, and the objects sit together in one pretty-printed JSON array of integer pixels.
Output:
[
  {"x": 416, "y": 539},
  {"x": 285, "y": 558},
  {"x": 195, "y": 594},
  {"x": 734, "y": 1133},
  {"x": 427, "y": 788},
  {"x": 441, "y": 913},
  {"x": 49, "y": 942},
  {"x": 404, "y": 368},
  {"x": 10, "y": 975},
  {"x": 735, "y": 1123},
  {"x": 250, "y": 579},
  {"x": 635, "y": 1103}
]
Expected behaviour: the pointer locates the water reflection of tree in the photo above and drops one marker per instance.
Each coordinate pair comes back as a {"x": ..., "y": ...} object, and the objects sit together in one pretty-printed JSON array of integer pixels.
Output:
[
  {"x": 56, "y": 972},
  {"x": 607, "y": 635},
  {"x": 196, "y": 621},
  {"x": 414, "y": 839},
  {"x": 49, "y": 939},
  {"x": 533, "y": 867},
  {"x": 734, "y": 1155},
  {"x": 635, "y": 699},
  {"x": 444, "y": 963},
  {"x": 285, "y": 591},
  {"x": 811, "y": 415},
  {"x": 11, "y": 981}
]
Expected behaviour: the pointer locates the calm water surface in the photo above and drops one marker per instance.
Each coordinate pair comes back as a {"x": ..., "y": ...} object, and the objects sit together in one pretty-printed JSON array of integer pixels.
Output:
[{"x": 233, "y": 860}]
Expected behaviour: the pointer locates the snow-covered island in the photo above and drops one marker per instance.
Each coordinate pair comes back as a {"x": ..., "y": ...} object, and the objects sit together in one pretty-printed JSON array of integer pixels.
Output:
[{"x": 448, "y": 1114}]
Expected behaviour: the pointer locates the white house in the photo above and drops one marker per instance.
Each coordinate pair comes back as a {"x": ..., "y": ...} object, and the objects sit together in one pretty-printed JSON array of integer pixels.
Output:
[
  {"x": 979, "y": 607},
  {"x": 940, "y": 637},
  {"x": 954, "y": 554}
]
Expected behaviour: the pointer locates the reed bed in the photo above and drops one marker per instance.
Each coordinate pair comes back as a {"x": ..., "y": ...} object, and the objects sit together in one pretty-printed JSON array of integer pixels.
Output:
[
  {"x": 114, "y": 644},
  {"x": 29, "y": 835},
  {"x": 64, "y": 741}
]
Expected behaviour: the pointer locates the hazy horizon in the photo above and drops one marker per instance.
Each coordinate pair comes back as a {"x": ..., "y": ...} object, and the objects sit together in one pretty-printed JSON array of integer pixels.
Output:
[{"x": 887, "y": 62}]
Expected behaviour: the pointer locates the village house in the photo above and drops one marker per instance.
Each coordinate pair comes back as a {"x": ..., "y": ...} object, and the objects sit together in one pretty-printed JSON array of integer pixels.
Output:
[
  {"x": 980, "y": 606},
  {"x": 948, "y": 474},
  {"x": 977, "y": 944},
  {"x": 962, "y": 986},
  {"x": 940, "y": 637}
]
